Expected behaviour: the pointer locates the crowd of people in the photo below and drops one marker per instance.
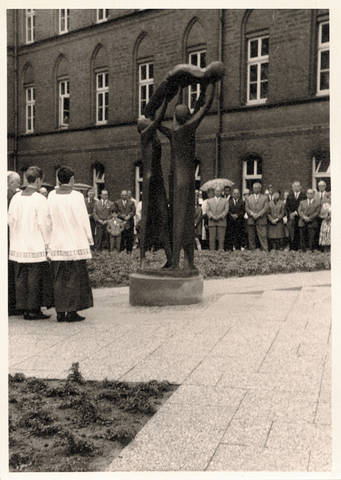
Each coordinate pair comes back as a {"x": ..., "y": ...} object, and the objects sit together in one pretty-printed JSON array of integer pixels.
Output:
[{"x": 51, "y": 235}]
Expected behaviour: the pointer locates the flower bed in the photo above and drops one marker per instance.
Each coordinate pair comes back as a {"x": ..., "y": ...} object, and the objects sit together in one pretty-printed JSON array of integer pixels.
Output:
[{"x": 112, "y": 270}]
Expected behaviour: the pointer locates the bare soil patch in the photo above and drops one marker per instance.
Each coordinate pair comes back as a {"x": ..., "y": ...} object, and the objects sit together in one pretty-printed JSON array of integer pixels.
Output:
[{"x": 74, "y": 425}]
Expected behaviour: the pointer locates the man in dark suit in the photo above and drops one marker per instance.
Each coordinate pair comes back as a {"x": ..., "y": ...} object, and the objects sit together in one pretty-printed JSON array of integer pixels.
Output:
[
  {"x": 257, "y": 206},
  {"x": 90, "y": 205},
  {"x": 308, "y": 212},
  {"x": 102, "y": 212},
  {"x": 125, "y": 209},
  {"x": 292, "y": 204},
  {"x": 235, "y": 221}
]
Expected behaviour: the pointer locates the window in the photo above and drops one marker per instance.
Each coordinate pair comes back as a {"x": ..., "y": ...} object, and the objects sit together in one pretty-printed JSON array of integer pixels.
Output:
[
  {"x": 252, "y": 171},
  {"x": 102, "y": 97},
  {"x": 257, "y": 70},
  {"x": 323, "y": 59},
  {"x": 138, "y": 182},
  {"x": 98, "y": 179},
  {"x": 30, "y": 109},
  {"x": 321, "y": 169},
  {"x": 30, "y": 25},
  {"x": 199, "y": 59},
  {"x": 64, "y": 103},
  {"x": 146, "y": 85},
  {"x": 102, "y": 15},
  {"x": 64, "y": 20}
]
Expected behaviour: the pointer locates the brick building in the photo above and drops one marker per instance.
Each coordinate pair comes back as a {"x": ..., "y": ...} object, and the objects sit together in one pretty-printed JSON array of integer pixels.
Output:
[{"x": 78, "y": 80}]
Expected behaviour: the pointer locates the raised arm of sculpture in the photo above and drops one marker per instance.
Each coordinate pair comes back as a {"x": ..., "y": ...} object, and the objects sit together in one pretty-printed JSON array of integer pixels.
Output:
[{"x": 158, "y": 119}]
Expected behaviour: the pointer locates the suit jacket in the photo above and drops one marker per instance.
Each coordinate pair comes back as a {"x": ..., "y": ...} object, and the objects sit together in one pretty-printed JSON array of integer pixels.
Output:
[
  {"x": 312, "y": 211},
  {"x": 102, "y": 212},
  {"x": 323, "y": 199},
  {"x": 276, "y": 210},
  {"x": 236, "y": 209},
  {"x": 217, "y": 207},
  {"x": 90, "y": 205},
  {"x": 259, "y": 206},
  {"x": 127, "y": 210},
  {"x": 292, "y": 203}
]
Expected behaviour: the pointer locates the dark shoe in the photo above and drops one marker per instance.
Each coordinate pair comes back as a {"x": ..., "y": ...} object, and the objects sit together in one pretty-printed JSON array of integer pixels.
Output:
[
  {"x": 35, "y": 316},
  {"x": 13, "y": 312},
  {"x": 60, "y": 316},
  {"x": 73, "y": 317}
]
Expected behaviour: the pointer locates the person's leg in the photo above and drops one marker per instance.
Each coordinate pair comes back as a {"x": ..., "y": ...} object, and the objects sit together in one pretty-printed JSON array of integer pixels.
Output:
[
  {"x": 302, "y": 238},
  {"x": 221, "y": 237},
  {"x": 99, "y": 237},
  {"x": 213, "y": 236},
  {"x": 311, "y": 238},
  {"x": 251, "y": 232},
  {"x": 262, "y": 237},
  {"x": 112, "y": 243}
]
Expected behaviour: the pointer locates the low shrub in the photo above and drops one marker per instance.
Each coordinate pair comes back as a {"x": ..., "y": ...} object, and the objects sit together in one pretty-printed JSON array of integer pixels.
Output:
[
  {"x": 78, "y": 445},
  {"x": 109, "y": 270},
  {"x": 75, "y": 374}
]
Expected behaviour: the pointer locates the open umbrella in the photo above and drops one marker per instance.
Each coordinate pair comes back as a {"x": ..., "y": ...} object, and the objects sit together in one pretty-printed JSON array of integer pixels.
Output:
[
  {"x": 216, "y": 183},
  {"x": 81, "y": 186}
]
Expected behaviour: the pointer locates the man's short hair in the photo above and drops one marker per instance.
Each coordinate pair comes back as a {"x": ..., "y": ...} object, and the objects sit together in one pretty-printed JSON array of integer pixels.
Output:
[
  {"x": 32, "y": 173},
  {"x": 322, "y": 182},
  {"x": 257, "y": 183},
  {"x": 65, "y": 174},
  {"x": 11, "y": 175}
]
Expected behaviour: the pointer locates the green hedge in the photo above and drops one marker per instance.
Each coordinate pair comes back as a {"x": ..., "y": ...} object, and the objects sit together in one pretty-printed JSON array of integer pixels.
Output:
[{"x": 112, "y": 270}]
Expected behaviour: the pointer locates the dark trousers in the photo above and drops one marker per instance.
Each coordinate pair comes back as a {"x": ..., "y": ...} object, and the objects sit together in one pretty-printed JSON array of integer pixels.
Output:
[
  {"x": 115, "y": 242},
  {"x": 33, "y": 286},
  {"x": 234, "y": 235},
  {"x": 307, "y": 237},
  {"x": 294, "y": 234},
  {"x": 257, "y": 231},
  {"x": 127, "y": 239},
  {"x": 275, "y": 243},
  {"x": 11, "y": 285},
  {"x": 101, "y": 236},
  {"x": 93, "y": 228}
]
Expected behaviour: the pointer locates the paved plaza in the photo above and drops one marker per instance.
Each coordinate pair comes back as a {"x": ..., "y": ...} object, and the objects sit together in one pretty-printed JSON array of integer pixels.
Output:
[{"x": 252, "y": 360}]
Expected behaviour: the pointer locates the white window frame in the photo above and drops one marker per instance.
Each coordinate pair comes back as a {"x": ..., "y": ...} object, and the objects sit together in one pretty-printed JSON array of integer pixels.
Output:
[
  {"x": 102, "y": 92},
  {"x": 322, "y": 47},
  {"x": 61, "y": 97},
  {"x": 259, "y": 61},
  {"x": 316, "y": 175},
  {"x": 195, "y": 90},
  {"x": 97, "y": 179},
  {"x": 138, "y": 183},
  {"x": 248, "y": 176},
  {"x": 147, "y": 82},
  {"x": 30, "y": 102},
  {"x": 64, "y": 20},
  {"x": 29, "y": 25},
  {"x": 102, "y": 15}
]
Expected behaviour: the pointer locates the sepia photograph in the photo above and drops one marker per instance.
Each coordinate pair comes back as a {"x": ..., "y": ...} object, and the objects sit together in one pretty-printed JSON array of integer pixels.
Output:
[{"x": 169, "y": 240}]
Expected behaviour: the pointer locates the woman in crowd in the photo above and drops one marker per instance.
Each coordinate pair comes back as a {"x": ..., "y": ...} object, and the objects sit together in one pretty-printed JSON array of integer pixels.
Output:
[
  {"x": 325, "y": 214},
  {"x": 286, "y": 240},
  {"x": 275, "y": 226}
]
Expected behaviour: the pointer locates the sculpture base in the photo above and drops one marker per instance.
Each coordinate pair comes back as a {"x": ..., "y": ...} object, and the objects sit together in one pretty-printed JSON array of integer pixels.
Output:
[{"x": 155, "y": 290}]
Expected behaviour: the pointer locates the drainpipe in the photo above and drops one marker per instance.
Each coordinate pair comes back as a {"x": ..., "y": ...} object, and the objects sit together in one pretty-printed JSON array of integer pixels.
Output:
[
  {"x": 16, "y": 103},
  {"x": 217, "y": 166}
]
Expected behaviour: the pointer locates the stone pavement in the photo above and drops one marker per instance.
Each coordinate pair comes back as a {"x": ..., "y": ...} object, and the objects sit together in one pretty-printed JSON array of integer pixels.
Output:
[{"x": 252, "y": 360}]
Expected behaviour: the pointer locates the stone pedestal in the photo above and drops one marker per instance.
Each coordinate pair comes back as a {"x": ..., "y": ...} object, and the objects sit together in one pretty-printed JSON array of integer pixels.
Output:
[{"x": 156, "y": 290}]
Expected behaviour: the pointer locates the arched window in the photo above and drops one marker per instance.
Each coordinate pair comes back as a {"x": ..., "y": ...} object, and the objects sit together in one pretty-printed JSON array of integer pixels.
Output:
[
  {"x": 321, "y": 169},
  {"x": 143, "y": 60},
  {"x": 252, "y": 170},
  {"x": 101, "y": 81}
]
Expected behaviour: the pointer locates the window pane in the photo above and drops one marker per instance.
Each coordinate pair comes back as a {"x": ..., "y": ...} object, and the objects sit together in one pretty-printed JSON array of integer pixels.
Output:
[
  {"x": 143, "y": 92},
  {"x": 151, "y": 70},
  {"x": 62, "y": 88},
  {"x": 106, "y": 79},
  {"x": 265, "y": 46},
  {"x": 66, "y": 105},
  {"x": 253, "y": 91},
  {"x": 143, "y": 70},
  {"x": 106, "y": 99},
  {"x": 325, "y": 33},
  {"x": 324, "y": 81},
  {"x": 194, "y": 59},
  {"x": 100, "y": 100},
  {"x": 99, "y": 81},
  {"x": 264, "y": 71},
  {"x": 253, "y": 73},
  {"x": 253, "y": 48},
  {"x": 259, "y": 166},
  {"x": 143, "y": 106},
  {"x": 151, "y": 89},
  {"x": 325, "y": 60},
  {"x": 264, "y": 89},
  {"x": 322, "y": 164},
  {"x": 249, "y": 167},
  {"x": 203, "y": 60},
  {"x": 33, "y": 93}
]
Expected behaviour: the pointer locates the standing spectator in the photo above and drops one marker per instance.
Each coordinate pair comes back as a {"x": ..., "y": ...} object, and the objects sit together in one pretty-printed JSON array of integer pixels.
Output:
[
  {"x": 245, "y": 241},
  {"x": 125, "y": 210},
  {"x": 130, "y": 197},
  {"x": 197, "y": 221},
  {"x": 227, "y": 242},
  {"x": 43, "y": 191},
  {"x": 257, "y": 207},
  {"x": 13, "y": 184},
  {"x": 325, "y": 214},
  {"x": 321, "y": 195},
  {"x": 217, "y": 209},
  {"x": 292, "y": 204},
  {"x": 205, "y": 232},
  {"x": 308, "y": 212},
  {"x": 235, "y": 225},
  {"x": 90, "y": 206},
  {"x": 286, "y": 241},
  {"x": 102, "y": 212},
  {"x": 115, "y": 227},
  {"x": 227, "y": 192},
  {"x": 269, "y": 192},
  {"x": 30, "y": 224},
  {"x": 275, "y": 217},
  {"x": 69, "y": 248}
]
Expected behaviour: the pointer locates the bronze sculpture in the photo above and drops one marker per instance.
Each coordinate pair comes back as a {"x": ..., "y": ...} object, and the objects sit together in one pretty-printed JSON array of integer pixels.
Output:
[{"x": 182, "y": 140}]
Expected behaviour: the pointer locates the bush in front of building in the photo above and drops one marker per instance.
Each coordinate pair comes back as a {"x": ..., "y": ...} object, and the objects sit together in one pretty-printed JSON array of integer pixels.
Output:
[{"x": 113, "y": 270}]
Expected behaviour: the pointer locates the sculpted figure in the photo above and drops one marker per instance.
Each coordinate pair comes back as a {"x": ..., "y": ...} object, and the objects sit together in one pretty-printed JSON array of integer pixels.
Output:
[{"x": 154, "y": 226}]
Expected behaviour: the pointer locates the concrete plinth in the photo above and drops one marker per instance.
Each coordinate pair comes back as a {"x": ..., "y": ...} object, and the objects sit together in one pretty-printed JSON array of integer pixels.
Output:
[{"x": 156, "y": 290}]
